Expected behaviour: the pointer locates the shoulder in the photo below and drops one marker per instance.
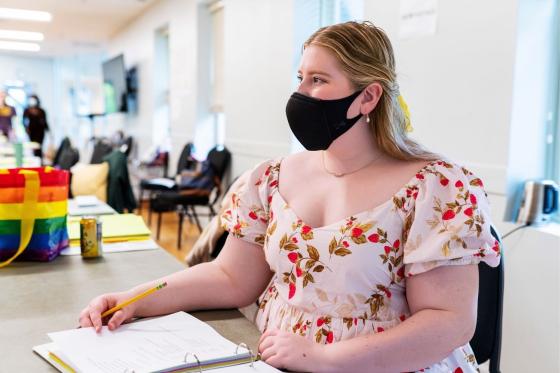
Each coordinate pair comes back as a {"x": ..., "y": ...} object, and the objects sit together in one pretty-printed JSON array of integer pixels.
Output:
[
  {"x": 263, "y": 169},
  {"x": 263, "y": 175},
  {"x": 446, "y": 183},
  {"x": 448, "y": 173}
]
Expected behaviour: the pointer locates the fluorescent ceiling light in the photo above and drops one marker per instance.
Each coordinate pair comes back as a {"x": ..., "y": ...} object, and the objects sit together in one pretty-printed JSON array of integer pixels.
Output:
[
  {"x": 21, "y": 35},
  {"x": 19, "y": 46},
  {"x": 25, "y": 15}
]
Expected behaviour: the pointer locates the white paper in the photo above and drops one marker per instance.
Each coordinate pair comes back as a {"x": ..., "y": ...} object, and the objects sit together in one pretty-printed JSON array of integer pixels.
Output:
[
  {"x": 168, "y": 183},
  {"x": 143, "y": 346},
  {"x": 84, "y": 201},
  {"x": 418, "y": 18},
  {"x": 100, "y": 208},
  {"x": 117, "y": 247}
]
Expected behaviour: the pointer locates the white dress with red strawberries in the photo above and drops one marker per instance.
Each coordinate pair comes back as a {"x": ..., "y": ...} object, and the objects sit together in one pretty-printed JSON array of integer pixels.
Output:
[{"x": 348, "y": 278}]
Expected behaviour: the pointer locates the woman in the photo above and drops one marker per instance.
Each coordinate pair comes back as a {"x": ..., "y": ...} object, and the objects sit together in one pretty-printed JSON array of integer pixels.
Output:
[
  {"x": 35, "y": 120},
  {"x": 364, "y": 249}
]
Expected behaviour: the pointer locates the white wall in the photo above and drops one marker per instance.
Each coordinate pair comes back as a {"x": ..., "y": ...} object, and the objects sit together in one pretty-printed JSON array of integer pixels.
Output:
[
  {"x": 458, "y": 83},
  {"x": 258, "y": 77},
  {"x": 137, "y": 43}
]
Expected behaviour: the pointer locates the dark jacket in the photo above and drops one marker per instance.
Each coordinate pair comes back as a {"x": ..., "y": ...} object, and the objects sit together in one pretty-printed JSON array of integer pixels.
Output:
[
  {"x": 119, "y": 189},
  {"x": 35, "y": 123}
]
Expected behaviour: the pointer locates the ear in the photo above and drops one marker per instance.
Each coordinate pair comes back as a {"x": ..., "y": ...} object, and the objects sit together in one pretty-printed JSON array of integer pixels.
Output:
[{"x": 370, "y": 98}]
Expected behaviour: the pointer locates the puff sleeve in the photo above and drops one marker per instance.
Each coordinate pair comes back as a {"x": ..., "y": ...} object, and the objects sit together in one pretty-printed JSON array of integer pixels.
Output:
[
  {"x": 449, "y": 222},
  {"x": 248, "y": 216}
]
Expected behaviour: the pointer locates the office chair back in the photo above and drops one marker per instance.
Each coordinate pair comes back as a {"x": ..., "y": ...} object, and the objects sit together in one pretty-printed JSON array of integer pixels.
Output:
[
  {"x": 186, "y": 161},
  {"x": 487, "y": 340},
  {"x": 101, "y": 148},
  {"x": 219, "y": 158},
  {"x": 68, "y": 158},
  {"x": 65, "y": 143}
]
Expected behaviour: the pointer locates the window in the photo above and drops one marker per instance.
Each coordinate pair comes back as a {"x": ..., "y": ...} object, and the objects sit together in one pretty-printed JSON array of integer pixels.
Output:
[
  {"x": 217, "y": 77},
  {"x": 210, "y": 126},
  {"x": 217, "y": 56},
  {"x": 161, "y": 128},
  {"x": 553, "y": 115},
  {"x": 553, "y": 120}
]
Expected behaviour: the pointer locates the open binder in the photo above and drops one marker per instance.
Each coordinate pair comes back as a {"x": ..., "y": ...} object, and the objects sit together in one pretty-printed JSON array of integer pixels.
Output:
[{"x": 175, "y": 343}]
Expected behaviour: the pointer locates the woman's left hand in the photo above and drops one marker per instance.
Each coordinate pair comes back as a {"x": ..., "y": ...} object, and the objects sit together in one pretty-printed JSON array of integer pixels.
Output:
[{"x": 290, "y": 351}]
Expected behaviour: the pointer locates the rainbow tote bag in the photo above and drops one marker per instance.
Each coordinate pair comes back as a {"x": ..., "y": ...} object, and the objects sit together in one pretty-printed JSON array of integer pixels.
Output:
[{"x": 33, "y": 210}]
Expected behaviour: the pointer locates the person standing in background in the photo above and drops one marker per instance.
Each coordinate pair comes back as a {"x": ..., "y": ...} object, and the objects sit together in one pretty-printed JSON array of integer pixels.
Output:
[
  {"x": 35, "y": 120},
  {"x": 6, "y": 114}
]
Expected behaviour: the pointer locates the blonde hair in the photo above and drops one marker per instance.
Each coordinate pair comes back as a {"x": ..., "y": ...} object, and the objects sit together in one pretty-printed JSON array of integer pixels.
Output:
[{"x": 366, "y": 56}]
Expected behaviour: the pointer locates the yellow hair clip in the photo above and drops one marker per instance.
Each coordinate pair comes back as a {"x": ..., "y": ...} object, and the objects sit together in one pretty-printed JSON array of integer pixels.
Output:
[{"x": 404, "y": 107}]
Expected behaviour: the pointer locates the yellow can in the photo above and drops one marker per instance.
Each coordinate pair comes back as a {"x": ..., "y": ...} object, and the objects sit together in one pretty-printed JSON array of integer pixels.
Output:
[{"x": 91, "y": 237}]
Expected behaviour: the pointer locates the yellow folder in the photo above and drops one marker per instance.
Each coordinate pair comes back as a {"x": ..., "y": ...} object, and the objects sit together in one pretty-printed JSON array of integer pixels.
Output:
[{"x": 117, "y": 227}]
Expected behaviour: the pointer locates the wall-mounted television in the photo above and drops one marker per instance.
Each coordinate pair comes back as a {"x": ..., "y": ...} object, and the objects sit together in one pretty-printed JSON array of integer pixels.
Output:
[{"x": 114, "y": 85}]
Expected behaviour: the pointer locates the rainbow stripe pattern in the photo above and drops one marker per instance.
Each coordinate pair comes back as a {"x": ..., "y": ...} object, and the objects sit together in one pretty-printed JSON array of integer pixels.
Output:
[{"x": 33, "y": 209}]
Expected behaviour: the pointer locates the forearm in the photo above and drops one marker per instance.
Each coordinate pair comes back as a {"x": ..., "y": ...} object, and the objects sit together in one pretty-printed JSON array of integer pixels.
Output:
[
  {"x": 204, "y": 286},
  {"x": 425, "y": 338}
]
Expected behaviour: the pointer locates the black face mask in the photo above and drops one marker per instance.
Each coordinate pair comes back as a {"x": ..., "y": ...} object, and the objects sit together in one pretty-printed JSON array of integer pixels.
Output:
[{"x": 317, "y": 123}]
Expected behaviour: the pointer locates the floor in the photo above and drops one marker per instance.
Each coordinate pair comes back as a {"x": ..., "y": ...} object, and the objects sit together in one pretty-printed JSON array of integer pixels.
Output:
[{"x": 169, "y": 230}]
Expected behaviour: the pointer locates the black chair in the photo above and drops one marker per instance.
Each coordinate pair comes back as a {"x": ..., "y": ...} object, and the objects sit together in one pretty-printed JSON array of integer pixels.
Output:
[
  {"x": 66, "y": 156},
  {"x": 65, "y": 143},
  {"x": 487, "y": 340},
  {"x": 186, "y": 162},
  {"x": 69, "y": 158},
  {"x": 185, "y": 200},
  {"x": 102, "y": 147}
]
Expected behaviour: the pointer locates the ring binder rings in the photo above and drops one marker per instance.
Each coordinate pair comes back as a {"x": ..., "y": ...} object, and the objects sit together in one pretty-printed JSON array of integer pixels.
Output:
[
  {"x": 252, "y": 355},
  {"x": 197, "y": 360}
]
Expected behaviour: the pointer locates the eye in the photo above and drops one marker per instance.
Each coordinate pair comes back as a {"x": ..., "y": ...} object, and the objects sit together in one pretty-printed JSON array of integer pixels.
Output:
[
  {"x": 299, "y": 78},
  {"x": 318, "y": 80}
]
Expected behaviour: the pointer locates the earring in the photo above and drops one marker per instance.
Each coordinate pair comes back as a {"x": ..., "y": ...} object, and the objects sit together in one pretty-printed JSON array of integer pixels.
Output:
[{"x": 367, "y": 118}]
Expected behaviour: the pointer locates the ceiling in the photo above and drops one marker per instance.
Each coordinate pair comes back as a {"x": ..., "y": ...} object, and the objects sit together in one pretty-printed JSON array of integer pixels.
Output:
[{"x": 77, "y": 26}]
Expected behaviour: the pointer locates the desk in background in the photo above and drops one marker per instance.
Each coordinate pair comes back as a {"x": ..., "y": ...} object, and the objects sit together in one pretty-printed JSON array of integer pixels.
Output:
[
  {"x": 38, "y": 298},
  {"x": 8, "y": 159}
]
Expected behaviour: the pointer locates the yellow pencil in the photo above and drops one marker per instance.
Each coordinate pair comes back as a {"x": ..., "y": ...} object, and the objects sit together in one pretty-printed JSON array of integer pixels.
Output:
[{"x": 133, "y": 299}]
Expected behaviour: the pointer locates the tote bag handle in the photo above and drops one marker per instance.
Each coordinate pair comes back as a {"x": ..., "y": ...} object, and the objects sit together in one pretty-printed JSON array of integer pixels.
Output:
[{"x": 28, "y": 211}]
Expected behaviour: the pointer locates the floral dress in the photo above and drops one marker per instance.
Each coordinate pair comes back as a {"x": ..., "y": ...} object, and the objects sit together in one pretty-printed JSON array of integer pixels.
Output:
[{"x": 348, "y": 278}]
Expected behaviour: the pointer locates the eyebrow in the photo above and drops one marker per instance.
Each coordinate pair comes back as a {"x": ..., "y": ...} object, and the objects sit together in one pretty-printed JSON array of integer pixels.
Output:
[{"x": 319, "y": 72}]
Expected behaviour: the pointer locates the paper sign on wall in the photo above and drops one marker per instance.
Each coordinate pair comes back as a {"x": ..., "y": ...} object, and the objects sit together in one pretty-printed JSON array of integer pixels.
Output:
[{"x": 417, "y": 18}]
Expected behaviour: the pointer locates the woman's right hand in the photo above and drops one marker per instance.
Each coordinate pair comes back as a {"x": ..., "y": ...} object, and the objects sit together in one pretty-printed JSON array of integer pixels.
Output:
[{"x": 91, "y": 315}]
